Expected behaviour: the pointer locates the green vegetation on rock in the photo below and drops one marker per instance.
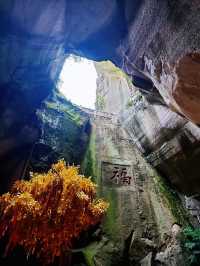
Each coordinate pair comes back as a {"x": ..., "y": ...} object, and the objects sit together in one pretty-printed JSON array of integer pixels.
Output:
[
  {"x": 65, "y": 133},
  {"x": 88, "y": 166},
  {"x": 100, "y": 102},
  {"x": 129, "y": 103},
  {"x": 191, "y": 245},
  {"x": 110, "y": 224},
  {"x": 172, "y": 200},
  {"x": 89, "y": 252},
  {"x": 67, "y": 109},
  {"x": 115, "y": 72}
]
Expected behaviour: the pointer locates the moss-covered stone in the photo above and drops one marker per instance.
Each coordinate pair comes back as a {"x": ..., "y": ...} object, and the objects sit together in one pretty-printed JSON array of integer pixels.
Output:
[
  {"x": 88, "y": 166},
  {"x": 100, "y": 102},
  {"x": 89, "y": 252},
  {"x": 172, "y": 200},
  {"x": 65, "y": 133},
  {"x": 111, "y": 226},
  {"x": 66, "y": 109}
]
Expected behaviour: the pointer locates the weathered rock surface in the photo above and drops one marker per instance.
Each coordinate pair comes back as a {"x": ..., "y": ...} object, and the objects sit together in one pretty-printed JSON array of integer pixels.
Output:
[
  {"x": 167, "y": 140},
  {"x": 65, "y": 131},
  {"x": 141, "y": 226},
  {"x": 18, "y": 133},
  {"x": 140, "y": 216},
  {"x": 113, "y": 88},
  {"x": 163, "y": 43},
  {"x": 147, "y": 260},
  {"x": 33, "y": 141},
  {"x": 186, "y": 88}
]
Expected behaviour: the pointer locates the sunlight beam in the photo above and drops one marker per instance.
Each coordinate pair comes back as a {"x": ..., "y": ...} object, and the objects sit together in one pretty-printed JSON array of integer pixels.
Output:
[{"x": 78, "y": 81}]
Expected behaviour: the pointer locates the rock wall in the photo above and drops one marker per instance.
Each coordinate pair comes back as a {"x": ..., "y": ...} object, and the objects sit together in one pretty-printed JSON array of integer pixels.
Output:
[
  {"x": 168, "y": 141},
  {"x": 19, "y": 131},
  {"x": 163, "y": 44},
  {"x": 142, "y": 209},
  {"x": 113, "y": 90},
  {"x": 58, "y": 130},
  {"x": 65, "y": 131}
]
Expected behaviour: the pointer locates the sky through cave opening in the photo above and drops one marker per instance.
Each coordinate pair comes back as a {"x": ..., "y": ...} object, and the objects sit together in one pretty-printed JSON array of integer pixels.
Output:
[{"x": 78, "y": 81}]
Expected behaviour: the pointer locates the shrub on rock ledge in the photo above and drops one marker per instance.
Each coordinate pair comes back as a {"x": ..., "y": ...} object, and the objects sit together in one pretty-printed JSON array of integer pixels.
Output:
[{"x": 46, "y": 214}]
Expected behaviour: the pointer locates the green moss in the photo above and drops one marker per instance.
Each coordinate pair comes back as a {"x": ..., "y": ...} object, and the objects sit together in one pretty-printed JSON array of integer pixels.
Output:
[
  {"x": 172, "y": 200},
  {"x": 110, "y": 223},
  {"x": 128, "y": 79},
  {"x": 89, "y": 167},
  {"x": 67, "y": 109},
  {"x": 89, "y": 164},
  {"x": 51, "y": 105},
  {"x": 64, "y": 129},
  {"x": 100, "y": 102},
  {"x": 191, "y": 245},
  {"x": 129, "y": 103},
  {"x": 89, "y": 252},
  {"x": 116, "y": 73}
]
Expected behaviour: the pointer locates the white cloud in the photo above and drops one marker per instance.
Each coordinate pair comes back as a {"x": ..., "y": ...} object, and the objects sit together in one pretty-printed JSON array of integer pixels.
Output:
[{"x": 78, "y": 81}]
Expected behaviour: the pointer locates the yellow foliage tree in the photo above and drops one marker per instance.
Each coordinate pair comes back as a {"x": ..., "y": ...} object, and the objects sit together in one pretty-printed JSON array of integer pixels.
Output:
[{"x": 46, "y": 214}]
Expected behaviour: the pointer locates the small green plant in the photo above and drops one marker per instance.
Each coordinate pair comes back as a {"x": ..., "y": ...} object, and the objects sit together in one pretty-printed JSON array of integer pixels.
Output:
[
  {"x": 129, "y": 103},
  {"x": 67, "y": 109},
  {"x": 173, "y": 201},
  {"x": 100, "y": 102},
  {"x": 191, "y": 244}
]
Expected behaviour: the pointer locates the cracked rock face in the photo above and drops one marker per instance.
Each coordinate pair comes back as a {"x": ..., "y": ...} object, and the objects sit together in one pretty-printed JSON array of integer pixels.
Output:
[
  {"x": 186, "y": 90},
  {"x": 179, "y": 84},
  {"x": 65, "y": 131},
  {"x": 162, "y": 44}
]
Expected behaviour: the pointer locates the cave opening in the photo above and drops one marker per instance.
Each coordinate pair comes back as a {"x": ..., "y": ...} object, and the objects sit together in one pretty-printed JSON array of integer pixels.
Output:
[{"x": 77, "y": 81}]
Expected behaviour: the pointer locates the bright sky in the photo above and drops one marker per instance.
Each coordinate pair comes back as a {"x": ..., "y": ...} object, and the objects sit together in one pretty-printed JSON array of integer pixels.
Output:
[{"x": 78, "y": 81}]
